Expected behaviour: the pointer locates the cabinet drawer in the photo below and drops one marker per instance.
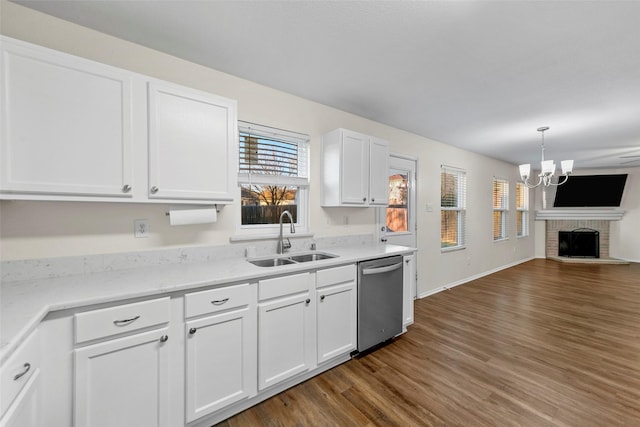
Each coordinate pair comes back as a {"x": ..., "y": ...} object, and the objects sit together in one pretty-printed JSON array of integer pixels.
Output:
[
  {"x": 95, "y": 324},
  {"x": 272, "y": 288},
  {"x": 22, "y": 364},
  {"x": 214, "y": 300},
  {"x": 333, "y": 276}
]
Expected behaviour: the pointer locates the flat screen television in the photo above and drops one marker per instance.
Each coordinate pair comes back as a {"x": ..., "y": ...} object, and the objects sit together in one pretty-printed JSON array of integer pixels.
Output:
[{"x": 590, "y": 191}]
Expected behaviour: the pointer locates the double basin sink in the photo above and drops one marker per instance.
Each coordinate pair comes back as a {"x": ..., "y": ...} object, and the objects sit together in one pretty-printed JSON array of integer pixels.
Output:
[{"x": 291, "y": 259}]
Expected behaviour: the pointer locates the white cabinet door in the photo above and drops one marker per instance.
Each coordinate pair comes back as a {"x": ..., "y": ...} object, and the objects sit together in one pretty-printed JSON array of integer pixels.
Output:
[
  {"x": 355, "y": 168},
  {"x": 192, "y": 140},
  {"x": 26, "y": 409},
  {"x": 66, "y": 124},
  {"x": 286, "y": 338},
  {"x": 221, "y": 361},
  {"x": 379, "y": 172},
  {"x": 408, "y": 286},
  {"x": 123, "y": 382},
  {"x": 337, "y": 330}
]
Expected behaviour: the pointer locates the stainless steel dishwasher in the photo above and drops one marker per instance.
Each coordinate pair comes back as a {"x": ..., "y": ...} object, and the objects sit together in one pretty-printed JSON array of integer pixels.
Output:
[{"x": 379, "y": 300}]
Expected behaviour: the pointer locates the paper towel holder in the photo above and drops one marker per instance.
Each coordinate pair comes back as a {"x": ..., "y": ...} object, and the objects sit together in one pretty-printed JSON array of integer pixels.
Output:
[{"x": 215, "y": 205}]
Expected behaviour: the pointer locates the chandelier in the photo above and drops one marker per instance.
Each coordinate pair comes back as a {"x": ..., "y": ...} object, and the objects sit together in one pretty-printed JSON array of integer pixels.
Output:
[{"x": 547, "y": 168}]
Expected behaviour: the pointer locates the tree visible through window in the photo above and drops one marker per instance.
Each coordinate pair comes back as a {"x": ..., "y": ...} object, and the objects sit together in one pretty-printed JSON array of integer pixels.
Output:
[
  {"x": 398, "y": 208},
  {"x": 273, "y": 174},
  {"x": 453, "y": 195}
]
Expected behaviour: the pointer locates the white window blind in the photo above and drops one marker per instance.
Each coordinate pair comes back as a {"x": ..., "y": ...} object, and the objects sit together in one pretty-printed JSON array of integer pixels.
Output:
[
  {"x": 453, "y": 200},
  {"x": 522, "y": 209},
  {"x": 273, "y": 175},
  {"x": 272, "y": 156},
  {"x": 500, "y": 208}
]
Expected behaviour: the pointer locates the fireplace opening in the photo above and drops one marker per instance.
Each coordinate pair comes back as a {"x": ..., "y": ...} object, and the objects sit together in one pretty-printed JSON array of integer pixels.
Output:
[{"x": 579, "y": 243}]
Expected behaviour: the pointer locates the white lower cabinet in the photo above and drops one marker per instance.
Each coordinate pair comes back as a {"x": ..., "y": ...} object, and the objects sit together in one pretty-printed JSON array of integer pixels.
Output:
[
  {"x": 123, "y": 382},
  {"x": 337, "y": 311},
  {"x": 286, "y": 328},
  {"x": 409, "y": 278},
  {"x": 231, "y": 347},
  {"x": 21, "y": 386},
  {"x": 221, "y": 353}
]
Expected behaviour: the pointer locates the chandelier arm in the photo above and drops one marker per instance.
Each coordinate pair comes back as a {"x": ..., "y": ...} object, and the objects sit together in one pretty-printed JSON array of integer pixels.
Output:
[
  {"x": 526, "y": 182},
  {"x": 566, "y": 177}
]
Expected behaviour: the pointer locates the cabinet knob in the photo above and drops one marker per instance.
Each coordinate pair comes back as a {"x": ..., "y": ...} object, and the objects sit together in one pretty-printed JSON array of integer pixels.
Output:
[
  {"x": 308, "y": 301},
  {"x": 27, "y": 367},
  {"x": 192, "y": 331},
  {"x": 164, "y": 338},
  {"x": 153, "y": 189},
  {"x": 364, "y": 199},
  {"x": 322, "y": 298},
  {"x": 126, "y": 188},
  {"x": 373, "y": 200}
]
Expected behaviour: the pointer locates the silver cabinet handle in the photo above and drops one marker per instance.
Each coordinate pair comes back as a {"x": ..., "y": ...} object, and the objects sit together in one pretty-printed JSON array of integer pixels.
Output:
[
  {"x": 126, "y": 188},
  {"x": 154, "y": 189},
  {"x": 27, "y": 367},
  {"x": 378, "y": 270},
  {"x": 192, "y": 331},
  {"x": 219, "y": 301},
  {"x": 322, "y": 298},
  {"x": 164, "y": 338},
  {"x": 125, "y": 322}
]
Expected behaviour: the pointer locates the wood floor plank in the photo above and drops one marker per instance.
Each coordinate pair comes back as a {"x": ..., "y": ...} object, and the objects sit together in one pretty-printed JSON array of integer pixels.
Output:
[{"x": 538, "y": 344}]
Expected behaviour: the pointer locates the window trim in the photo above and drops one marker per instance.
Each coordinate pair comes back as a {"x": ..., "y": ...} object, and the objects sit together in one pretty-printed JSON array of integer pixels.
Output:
[
  {"x": 504, "y": 209},
  {"x": 524, "y": 209},
  {"x": 301, "y": 182},
  {"x": 460, "y": 208}
]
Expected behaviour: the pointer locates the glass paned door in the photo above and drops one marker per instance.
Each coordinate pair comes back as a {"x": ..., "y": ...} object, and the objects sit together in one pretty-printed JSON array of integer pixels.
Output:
[
  {"x": 397, "y": 215},
  {"x": 396, "y": 222}
]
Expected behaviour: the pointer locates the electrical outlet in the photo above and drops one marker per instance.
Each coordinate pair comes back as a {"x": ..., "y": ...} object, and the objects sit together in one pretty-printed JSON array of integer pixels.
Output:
[{"x": 141, "y": 228}]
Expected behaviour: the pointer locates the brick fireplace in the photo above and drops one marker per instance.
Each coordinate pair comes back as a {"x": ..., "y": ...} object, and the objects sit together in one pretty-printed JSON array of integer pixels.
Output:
[
  {"x": 570, "y": 219},
  {"x": 554, "y": 226}
]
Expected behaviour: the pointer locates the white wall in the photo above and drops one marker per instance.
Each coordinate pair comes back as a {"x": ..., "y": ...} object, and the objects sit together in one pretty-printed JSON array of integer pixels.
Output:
[
  {"x": 49, "y": 229},
  {"x": 624, "y": 240}
]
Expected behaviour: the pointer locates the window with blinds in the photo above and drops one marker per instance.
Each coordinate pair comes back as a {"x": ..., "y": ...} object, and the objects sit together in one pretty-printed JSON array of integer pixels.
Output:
[
  {"x": 273, "y": 174},
  {"x": 500, "y": 208},
  {"x": 453, "y": 200},
  {"x": 522, "y": 209}
]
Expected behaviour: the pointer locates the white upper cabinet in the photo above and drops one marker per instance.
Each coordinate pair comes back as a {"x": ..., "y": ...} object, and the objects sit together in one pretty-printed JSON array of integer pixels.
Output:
[
  {"x": 74, "y": 129},
  {"x": 191, "y": 144},
  {"x": 66, "y": 124},
  {"x": 354, "y": 169}
]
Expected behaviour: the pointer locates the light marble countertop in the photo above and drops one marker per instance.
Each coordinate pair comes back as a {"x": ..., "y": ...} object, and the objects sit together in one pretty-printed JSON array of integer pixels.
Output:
[{"x": 24, "y": 303}]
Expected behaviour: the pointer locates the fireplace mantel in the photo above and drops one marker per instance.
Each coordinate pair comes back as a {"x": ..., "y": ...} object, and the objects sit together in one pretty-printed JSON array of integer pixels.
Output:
[{"x": 588, "y": 214}]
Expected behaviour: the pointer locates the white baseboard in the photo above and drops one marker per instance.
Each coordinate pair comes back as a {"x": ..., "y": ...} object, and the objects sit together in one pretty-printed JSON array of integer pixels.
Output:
[{"x": 469, "y": 279}]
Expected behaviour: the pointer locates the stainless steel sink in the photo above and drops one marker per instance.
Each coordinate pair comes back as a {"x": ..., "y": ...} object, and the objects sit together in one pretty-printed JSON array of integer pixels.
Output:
[
  {"x": 271, "y": 262},
  {"x": 291, "y": 259},
  {"x": 312, "y": 257}
]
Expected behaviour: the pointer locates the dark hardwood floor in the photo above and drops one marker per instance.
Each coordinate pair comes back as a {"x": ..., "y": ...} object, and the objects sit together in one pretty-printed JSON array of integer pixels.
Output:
[{"x": 539, "y": 344}]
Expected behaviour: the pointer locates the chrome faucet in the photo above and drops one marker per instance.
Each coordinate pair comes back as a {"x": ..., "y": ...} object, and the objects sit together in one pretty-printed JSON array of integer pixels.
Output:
[{"x": 282, "y": 246}]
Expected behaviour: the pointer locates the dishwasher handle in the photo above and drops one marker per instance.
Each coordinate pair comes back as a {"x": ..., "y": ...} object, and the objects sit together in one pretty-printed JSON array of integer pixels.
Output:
[{"x": 378, "y": 270}]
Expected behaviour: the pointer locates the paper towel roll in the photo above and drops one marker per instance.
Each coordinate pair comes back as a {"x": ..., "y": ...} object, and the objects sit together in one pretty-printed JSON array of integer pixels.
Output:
[{"x": 192, "y": 216}]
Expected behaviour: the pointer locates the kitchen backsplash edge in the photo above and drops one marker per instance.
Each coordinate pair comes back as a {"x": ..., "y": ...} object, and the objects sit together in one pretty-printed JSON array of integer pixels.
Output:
[{"x": 31, "y": 269}]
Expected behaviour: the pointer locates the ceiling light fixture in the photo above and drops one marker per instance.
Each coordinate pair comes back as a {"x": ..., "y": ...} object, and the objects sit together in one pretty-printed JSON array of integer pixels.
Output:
[{"x": 547, "y": 168}]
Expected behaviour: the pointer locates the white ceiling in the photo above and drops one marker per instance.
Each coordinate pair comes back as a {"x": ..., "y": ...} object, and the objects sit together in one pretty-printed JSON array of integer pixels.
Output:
[{"x": 480, "y": 75}]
